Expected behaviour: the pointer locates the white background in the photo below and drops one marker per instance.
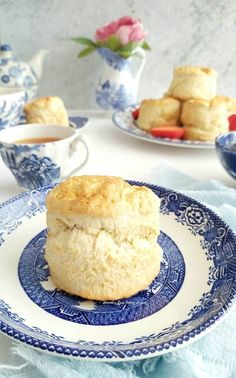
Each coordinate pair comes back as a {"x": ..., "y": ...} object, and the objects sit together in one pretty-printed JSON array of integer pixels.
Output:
[{"x": 197, "y": 32}]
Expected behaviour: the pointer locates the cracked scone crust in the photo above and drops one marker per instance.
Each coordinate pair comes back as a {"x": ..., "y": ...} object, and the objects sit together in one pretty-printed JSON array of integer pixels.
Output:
[
  {"x": 204, "y": 120},
  {"x": 102, "y": 236},
  {"x": 48, "y": 110},
  {"x": 159, "y": 112},
  {"x": 229, "y": 102},
  {"x": 193, "y": 83}
]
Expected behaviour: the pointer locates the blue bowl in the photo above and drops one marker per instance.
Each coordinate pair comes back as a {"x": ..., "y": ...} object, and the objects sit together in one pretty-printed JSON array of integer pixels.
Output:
[{"x": 226, "y": 152}]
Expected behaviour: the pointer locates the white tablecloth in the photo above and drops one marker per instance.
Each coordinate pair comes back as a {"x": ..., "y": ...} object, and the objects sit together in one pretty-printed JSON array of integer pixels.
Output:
[{"x": 115, "y": 153}]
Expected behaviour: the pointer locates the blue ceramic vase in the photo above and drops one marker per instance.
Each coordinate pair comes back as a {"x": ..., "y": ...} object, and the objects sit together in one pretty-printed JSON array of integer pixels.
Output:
[{"x": 118, "y": 85}]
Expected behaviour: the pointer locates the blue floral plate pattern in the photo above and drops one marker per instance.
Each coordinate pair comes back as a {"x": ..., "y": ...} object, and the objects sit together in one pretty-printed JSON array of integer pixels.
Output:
[
  {"x": 196, "y": 286},
  {"x": 124, "y": 121}
]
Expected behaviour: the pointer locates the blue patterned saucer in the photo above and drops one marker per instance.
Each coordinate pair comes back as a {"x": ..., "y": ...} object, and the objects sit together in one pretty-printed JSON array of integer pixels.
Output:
[
  {"x": 196, "y": 286},
  {"x": 124, "y": 121},
  {"x": 76, "y": 122}
]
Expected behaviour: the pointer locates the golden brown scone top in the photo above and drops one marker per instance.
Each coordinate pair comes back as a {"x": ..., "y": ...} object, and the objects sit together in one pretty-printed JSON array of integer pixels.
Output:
[
  {"x": 229, "y": 102},
  {"x": 216, "y": 102},
  {"x": 195, "y": 70},
  {"x": 104, "y": 196},
  {"x": 164, "y": 111},
  {"x": 159, "y": 101},
  {"x": 49, "y": 110}
]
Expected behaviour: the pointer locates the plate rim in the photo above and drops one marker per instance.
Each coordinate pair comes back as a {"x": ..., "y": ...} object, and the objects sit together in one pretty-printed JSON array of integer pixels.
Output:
[
  {"x": 71, "y": 122},
  {"x": 162, "y": 141},
  {"x": 144, "y": 352}
]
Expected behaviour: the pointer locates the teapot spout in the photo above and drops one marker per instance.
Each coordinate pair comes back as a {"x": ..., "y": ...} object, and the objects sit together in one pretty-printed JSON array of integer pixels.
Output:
[{"x": 36, "y": 63}]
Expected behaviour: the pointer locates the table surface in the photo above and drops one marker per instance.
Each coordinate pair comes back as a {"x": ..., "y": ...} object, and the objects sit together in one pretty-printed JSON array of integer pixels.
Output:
[{"x": 115, "y": 153}]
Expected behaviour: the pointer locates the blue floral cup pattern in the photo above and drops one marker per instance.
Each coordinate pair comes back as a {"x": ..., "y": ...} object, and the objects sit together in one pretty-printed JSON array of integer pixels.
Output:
[
  {"x": 37, "y": 165},
  {"x": 12, "y": 101}
]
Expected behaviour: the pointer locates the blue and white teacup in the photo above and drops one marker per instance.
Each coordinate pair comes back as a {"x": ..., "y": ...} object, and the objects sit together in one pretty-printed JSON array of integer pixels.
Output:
[
  {"x": 12, "y": 101},
  {"x": 40, "y": 155}
]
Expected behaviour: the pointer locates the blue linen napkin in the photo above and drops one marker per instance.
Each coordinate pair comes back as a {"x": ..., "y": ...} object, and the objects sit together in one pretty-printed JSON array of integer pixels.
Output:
[{"x": 214, "y": 355}]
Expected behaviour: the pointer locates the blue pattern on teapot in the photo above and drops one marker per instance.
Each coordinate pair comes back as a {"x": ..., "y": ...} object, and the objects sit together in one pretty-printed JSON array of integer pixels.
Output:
[{"x": 14, "y": 73}]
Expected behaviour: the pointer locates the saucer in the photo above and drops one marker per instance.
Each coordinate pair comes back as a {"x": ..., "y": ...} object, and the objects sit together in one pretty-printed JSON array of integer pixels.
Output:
[{"x": 195, "y": 289}]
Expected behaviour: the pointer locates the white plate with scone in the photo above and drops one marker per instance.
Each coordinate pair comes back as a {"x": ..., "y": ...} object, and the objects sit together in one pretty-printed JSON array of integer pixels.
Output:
[
  {"x": 99, "y": 233},
  {"x": 124, "y": 121},
  {"x": 191, "y": 106}
]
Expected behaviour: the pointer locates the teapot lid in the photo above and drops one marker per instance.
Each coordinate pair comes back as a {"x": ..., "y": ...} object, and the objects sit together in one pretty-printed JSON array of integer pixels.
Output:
[{"x": 5, "y": 48}]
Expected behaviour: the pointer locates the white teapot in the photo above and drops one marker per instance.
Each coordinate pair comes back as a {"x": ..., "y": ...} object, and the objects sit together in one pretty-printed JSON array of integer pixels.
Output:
[{"x": 14, "y": 73}]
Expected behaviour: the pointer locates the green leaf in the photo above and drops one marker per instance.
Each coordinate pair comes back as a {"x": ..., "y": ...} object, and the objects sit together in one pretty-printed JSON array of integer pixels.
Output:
[
  {"x": 84, "y": 41},
  {"x": 86, "y": 51},
  {"x": 129, "y": 47},
  {"x": 113, "y": 42},
  {"x": 146, "y": 46},
  {"x": 124, "y": 54},
  {"x": 100, "y": 44},
  {"x": 128, "y": 50}
]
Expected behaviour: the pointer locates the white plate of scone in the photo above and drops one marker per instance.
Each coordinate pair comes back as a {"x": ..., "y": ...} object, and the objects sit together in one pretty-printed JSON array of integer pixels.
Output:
[
  {"x": 109, "y": 270},
  {"x": 190, "y": 103}
]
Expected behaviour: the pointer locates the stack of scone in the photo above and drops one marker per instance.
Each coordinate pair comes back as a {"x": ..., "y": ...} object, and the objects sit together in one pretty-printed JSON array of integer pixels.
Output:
[
  {"x": 191, "y": 101},
  {"x": 102, "y": 237}
]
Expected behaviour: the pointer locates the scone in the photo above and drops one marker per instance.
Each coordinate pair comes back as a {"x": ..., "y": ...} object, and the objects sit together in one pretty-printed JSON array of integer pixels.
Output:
[
  {"x": 47, "y": 110},
  {"x": 229, "y": 102},
  {"x": 193, "y": 83},
  {"x": 160, "y": 112},
  {"x": 102, "y": 237},
  {"x": 204, "y": 120}
]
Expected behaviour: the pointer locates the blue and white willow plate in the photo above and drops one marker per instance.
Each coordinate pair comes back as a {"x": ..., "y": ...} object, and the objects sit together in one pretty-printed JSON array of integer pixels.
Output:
[
  {"x": 194, "y": 290},
  {"x": 124, "y": 121}
]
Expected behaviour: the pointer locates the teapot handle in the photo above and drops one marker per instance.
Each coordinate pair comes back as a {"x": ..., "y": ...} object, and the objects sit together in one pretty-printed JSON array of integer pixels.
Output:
[{"x": 141, "y": 55}]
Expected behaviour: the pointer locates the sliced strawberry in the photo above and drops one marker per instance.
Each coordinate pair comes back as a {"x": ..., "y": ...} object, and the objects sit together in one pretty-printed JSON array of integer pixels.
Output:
[
  {"x": 173, "y": 132},
  {"x": 232, "y": 122},
  {"x": 135, "y": 113}
]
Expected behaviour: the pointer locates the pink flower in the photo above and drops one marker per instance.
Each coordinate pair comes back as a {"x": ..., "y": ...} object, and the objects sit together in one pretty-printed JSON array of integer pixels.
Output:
[
  {"x": 126, "y": 20},
  {"x": 125, "y": 28},
  {"x": 103, "y": 33},
  {"x": 131, "y": 33}
]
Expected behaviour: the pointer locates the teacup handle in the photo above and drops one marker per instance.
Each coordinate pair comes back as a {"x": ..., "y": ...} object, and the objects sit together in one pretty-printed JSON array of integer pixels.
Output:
[{"x": 71, "y": 169}]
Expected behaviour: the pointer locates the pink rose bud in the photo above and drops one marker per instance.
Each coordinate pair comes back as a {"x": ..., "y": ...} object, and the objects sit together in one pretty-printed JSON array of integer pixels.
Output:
[
  {"x": 137, "y": 33},
  {"x": 125, "y": 28},
  {"x": 103, "y": 33},
  {"x": 126, "y": 20},
  {"x": 123, "y": 34}
]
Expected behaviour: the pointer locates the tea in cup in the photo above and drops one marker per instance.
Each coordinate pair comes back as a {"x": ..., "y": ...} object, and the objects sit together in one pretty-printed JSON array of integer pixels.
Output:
[{"x": 40, "y": 155}]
